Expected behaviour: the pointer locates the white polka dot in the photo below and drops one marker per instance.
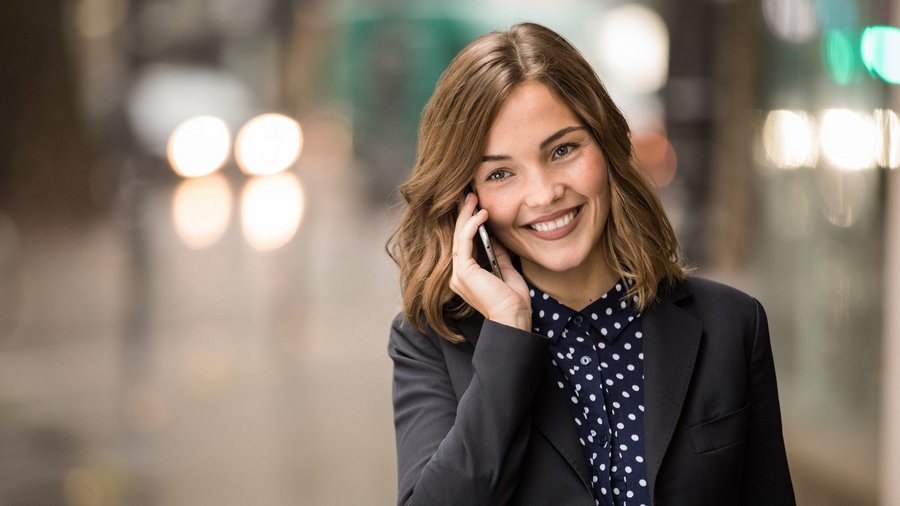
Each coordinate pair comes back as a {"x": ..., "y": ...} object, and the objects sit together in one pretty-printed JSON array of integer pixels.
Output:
[
  {"x": 601, "y": 345},
  {"x": 619, "y": 376},
  {"x": 616, "y": 490},
  {"x": 632, "y": 417},
  {"x": 624, "y": 448},
  {"x": 559, "y": 355},
  {"x": 620, "y": 425},
  {"x": 609, "y": 382},
  {"x": 604, "y": 331},
  {"x": 578, "y": 421},
  {"x": 577, "y": 387},
  {"x": 638, "y": 335},
  {"x": 615, "y": 356},
  {"x": 609, "y": 311},
  {"x": 541, "y": 313},
  {"x": 579, "y": 339},
  {"x": 626, "y": 395},
  {"x": 640, "y": 459},
  {"x": 545, "y": 296},
  {"x": 642, "y": 481},
  {"x": 630, "y": 367},
  {"x": 627, "y": 346},
  {"x": 594, "y": 316},
  {"x": 589, "y": 377},
  {"x": 574, "y": 399},
  {"x": 617, "y": 325},
  {"x": 531, "y": 292},
  {"x": 592, "y": 397},
  {"x": 555, "y": 316},
  {"x": 616, "y": 404},
  {"x": 634, "y": 437},
  {"x": 629, "y": 494},
  {"x": 624, "y": 304},
  {"x": 549, "y": 333},
  {"x": 604, "y": 364},
  {"x": 635, "y": 388},
  {"x": 603, "y": 468},
  {"x": 641, "y": 356},
  {"x": 618, "y": 287},
  {"x": 560, "y": 383},
  {"x": 595, "y": 478},
  {"x": 603, "y": 490}
]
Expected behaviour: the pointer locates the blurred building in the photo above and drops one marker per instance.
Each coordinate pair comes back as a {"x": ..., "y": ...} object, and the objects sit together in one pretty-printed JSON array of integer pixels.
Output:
[{"x": 195, "y": 194}]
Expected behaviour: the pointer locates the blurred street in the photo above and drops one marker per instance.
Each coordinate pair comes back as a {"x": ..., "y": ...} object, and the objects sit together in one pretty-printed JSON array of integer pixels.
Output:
[{"x": 139, "y": 371}]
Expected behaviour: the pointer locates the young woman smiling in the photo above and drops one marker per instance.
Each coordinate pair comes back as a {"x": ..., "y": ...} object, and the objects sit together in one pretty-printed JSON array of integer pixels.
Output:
[{"x": 595, "y": 371}]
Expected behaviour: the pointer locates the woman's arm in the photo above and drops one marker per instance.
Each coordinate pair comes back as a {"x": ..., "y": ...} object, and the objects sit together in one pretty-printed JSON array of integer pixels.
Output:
[
  {"x": 766, "y": 478},
  {"x": 467, "y": 452}
]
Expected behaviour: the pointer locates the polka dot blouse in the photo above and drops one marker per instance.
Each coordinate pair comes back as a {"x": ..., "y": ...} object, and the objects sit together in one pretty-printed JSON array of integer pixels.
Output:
[{"x": 600, "y": 363}]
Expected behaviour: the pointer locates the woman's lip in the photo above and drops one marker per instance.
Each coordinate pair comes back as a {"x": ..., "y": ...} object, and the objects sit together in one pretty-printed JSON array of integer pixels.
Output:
[
  {"x": 551, "y": 217},
  {"x": 560, "y": 232}
]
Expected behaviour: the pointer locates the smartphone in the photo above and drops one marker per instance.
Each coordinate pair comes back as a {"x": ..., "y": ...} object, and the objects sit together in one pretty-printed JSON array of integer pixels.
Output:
[
  {"x": 486, "y": 242},
  {"x": 488, "y": 249}
]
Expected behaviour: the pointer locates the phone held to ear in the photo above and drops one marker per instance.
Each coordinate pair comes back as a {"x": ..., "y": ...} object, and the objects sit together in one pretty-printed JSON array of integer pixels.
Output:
[
  {"x": 486, "y": 243},
  {"x": 492, "y": 259}
]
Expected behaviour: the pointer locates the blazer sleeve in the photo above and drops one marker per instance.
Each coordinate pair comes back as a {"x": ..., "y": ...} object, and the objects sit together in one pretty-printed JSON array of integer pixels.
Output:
[
  {"x": 466, "y": 451},
  {"x": 766, "y": 477}
]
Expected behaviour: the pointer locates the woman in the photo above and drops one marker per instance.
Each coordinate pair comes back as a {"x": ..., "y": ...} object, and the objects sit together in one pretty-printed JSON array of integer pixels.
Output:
[{"x": 595, "y": 371}]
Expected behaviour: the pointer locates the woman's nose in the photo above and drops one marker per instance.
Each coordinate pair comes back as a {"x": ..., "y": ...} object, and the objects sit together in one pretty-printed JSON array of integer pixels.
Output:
[{"x": 542, "y": 189}]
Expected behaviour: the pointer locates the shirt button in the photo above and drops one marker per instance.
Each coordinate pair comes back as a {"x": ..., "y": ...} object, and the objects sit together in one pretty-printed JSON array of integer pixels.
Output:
[
  {"x": 578, "y": 319},
  {"x": 585, "y": 360}
]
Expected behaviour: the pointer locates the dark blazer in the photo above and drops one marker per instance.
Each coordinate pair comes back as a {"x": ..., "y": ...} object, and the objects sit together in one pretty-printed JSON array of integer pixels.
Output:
[{"x": 482, "y": 422}]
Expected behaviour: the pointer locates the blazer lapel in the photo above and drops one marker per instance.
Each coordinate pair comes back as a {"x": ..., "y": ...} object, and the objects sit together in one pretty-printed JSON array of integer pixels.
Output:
[
  {"x": 671, "y": 342},
  {"x": 550, "y": 414},
  {"x": 552, "y": 417}
]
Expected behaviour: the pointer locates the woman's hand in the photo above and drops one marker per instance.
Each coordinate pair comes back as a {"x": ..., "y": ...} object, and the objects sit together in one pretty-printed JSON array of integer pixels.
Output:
[{"x": 505, "y": 301}]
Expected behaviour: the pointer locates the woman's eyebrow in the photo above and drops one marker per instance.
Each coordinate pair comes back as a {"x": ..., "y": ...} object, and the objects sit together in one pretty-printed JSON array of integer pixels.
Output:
[{"x": 546, "y": 142}]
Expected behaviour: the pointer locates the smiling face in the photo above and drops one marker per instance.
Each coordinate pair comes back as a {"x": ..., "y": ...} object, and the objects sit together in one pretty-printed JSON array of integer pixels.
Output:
[{"x": 543, "y": 181}]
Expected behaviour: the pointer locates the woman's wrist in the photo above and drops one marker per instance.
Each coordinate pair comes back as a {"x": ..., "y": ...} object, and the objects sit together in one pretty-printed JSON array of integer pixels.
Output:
[{"x": 520, "y": 320}]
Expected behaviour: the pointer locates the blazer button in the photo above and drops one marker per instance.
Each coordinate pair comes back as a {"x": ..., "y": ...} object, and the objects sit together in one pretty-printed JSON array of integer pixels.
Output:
[
  {"x": 578, "y": 319},
  {"x": 585, "y": 360}
]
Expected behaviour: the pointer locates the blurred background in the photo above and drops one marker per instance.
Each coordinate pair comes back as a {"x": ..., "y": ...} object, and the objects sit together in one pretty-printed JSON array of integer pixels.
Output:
[{"x": 195, "y": 196}]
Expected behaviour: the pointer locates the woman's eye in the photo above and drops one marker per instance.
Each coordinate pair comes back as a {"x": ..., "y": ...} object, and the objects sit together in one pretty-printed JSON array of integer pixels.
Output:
[
  {"x": 563, "y": 150},
  {"x": 497, "y": 175}
]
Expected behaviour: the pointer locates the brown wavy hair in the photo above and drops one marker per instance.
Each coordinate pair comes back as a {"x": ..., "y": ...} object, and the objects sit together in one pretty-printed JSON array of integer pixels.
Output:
[{"x": 638, "y": 240}]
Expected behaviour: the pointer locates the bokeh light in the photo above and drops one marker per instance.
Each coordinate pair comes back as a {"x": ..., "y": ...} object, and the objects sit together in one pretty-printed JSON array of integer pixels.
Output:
[
  {"x": 199, "y": 146},
  {"x": 268, "y": 144},
  {"x": 888, "y": 124},
  {"x": 790, "y": 20},
  {"x": 201, "y": 210},
  {"x": 656, "y": 156},
  {"x": 789, "y": 139},
  {"x": 848, "y": 139},
  {"x": 839, "y": 52},
  {"x": 880, "y": 50},
  {"x": 632, "y": 42},
  {"x": 271, "y": 210}
]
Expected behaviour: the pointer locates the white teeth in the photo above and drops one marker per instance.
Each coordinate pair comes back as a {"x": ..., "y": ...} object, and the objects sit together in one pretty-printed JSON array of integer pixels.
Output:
[{"x": 549, "y": 226}]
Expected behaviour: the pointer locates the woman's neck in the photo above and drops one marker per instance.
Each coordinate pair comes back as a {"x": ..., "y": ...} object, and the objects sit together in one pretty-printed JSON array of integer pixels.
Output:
[{"x": 577, "y": 287}]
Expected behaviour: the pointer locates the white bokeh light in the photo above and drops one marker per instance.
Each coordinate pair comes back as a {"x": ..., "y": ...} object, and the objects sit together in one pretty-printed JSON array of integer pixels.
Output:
[
  {"x": 789, "y": 139},
  {"x": 268, "y": 144},
  {"x": 849, "y": 139},
  {"x": 199, "y": 146},
  {"x": 888, "y": 137},
  {"x": 632, "y": 43},
  {"x": 791, "y": 20},
  {"x": 271, "y": 210},
  {"x": 201, "y": 210}
]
